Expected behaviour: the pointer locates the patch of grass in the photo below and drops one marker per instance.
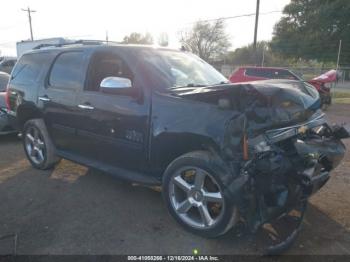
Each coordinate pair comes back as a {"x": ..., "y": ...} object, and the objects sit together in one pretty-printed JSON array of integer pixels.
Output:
[
  {"x": 340, "y": 94},
  {"x": 345, "y": 100}
]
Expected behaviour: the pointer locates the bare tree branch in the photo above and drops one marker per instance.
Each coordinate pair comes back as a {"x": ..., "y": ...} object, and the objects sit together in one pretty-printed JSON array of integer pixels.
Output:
[{"x": 206, "y": 39}]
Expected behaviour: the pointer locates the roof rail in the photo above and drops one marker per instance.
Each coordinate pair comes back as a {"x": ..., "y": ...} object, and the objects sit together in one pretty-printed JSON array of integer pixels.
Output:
[{"x": 77, "y": 42}]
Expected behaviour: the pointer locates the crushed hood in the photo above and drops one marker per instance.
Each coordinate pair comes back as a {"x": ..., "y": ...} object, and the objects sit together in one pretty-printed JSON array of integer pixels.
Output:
[{"x": 263, "y": 104}]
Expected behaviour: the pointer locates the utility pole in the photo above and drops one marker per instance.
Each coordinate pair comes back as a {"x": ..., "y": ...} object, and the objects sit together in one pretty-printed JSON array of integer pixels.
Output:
[
  {"x": 256, "y": 22},
  {"x": 263, "y": 57},
  {"x": 30, "y": 21},
  {"x": 339, "y": 51},
  {"x": 256, "y": 30},
  {"x": 338, "y": 59}
]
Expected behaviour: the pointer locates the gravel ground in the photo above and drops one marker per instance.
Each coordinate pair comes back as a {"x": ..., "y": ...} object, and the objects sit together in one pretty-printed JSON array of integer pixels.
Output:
[{"x": 76, "y": 210}]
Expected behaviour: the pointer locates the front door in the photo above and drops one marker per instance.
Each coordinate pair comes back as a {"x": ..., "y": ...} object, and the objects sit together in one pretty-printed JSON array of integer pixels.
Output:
[{"x": 114, "y": 127}]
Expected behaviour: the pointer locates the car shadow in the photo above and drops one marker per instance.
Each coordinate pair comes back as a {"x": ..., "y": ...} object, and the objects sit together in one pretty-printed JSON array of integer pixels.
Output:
[
  {"x": 85, "y": 211},
  {"x": 320, "y": 235},
  {"x": 9, "y": 138}
]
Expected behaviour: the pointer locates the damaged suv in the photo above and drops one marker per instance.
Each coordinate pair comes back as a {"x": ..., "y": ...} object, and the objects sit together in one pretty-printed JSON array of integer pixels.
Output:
[{"x": 221, "y": 152}]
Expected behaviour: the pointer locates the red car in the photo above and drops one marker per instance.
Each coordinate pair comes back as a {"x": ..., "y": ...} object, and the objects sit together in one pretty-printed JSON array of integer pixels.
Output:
[{"x": 247, "y": 74}]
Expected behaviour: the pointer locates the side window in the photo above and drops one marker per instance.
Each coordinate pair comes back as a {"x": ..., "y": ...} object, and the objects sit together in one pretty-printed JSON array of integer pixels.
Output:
[
  {"x": 9, "y": 63},
  {"x": 105, "y": 64},
  {"x": 4, "y": 78},
  {"x": 257, "y": 72},
  {"x": 28, "y": 68},
  {"x": 68, "y": 70},
  {"x": 284, "y": 74}
]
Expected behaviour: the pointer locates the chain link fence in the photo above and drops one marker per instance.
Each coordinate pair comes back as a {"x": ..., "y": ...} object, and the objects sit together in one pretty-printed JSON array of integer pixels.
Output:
[{"x": 306, "y": 73}]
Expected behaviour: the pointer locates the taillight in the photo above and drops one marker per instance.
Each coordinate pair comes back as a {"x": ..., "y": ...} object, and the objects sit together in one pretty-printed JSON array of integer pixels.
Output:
[{"x": 7, "y": 98}]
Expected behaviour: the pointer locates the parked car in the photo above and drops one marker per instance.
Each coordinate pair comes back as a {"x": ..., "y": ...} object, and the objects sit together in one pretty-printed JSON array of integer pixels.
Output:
[
  {"x": 165, "y": 117},
  {"x": 7, "y": 63},
  {"x": 5, "y": 126},
  {"x": 246, "y": 74}
]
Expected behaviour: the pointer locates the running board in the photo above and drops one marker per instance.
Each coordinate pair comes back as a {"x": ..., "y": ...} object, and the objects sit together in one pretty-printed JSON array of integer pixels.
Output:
[{"x": 117, "y": 172}]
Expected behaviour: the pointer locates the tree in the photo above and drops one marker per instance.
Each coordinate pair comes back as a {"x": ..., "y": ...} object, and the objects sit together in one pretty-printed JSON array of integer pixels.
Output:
[
  {"x": 246, "y": 56},
  {"x": 311, "y": 29},
  {"x": 137, "y": 38},
  {"x": 163, "y": 39},
  {"x": 206, "y": 39}
]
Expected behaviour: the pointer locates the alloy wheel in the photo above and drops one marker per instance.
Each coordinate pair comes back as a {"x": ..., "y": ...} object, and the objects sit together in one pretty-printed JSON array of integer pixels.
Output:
[
  {"x": 196, "y": 197},
  {"x": 34, "y": 145}
]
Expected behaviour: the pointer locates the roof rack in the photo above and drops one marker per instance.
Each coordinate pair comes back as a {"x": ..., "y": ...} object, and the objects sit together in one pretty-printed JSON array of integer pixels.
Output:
[{"x": 77, "y": 42}]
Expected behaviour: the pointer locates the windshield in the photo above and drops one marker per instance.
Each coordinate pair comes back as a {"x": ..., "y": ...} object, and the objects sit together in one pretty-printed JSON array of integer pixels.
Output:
[{"x": 182, "y": 69}]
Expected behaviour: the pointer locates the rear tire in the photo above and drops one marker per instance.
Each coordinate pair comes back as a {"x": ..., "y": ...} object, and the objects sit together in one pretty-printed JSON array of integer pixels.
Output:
[
  {"x": 195, "y": 196},
  {"x": 38, "y": 145}
]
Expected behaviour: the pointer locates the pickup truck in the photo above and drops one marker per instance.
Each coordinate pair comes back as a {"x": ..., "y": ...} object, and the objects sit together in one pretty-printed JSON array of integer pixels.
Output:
[{"x": 221, "y": 152}]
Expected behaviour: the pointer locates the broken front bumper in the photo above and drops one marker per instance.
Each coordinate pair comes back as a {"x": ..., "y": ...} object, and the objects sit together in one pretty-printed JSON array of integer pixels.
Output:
[
  {"x": 318, "y": 148},
  {"x": 287, "y": 165},
  {"x": 320, "y": 156}
]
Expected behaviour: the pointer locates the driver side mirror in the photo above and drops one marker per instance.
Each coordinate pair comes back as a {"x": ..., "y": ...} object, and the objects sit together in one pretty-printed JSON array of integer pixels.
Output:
[{"x": 117, "y": 86}]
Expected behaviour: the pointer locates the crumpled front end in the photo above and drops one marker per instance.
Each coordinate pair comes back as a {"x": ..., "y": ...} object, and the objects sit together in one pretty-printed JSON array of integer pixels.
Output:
[
  {"x": 286, "y": 166},
  {"x": 277, "y": 147}
]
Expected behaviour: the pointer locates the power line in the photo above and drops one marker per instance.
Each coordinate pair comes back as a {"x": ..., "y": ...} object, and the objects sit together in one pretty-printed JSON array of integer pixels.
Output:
[
  {"x": 237, "y": 16},
  {"x": 30, "y": 20}
]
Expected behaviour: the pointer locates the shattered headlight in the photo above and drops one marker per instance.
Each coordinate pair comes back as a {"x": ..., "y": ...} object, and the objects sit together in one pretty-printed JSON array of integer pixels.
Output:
[
  {"x": 259, "y": 144},
  {"x": 280, "y": 134}
]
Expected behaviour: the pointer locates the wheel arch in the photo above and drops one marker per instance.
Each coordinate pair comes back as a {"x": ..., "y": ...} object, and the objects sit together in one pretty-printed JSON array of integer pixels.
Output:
[
  {"x": 167, "y": 148},
  {"x": 27, "y": 111}
]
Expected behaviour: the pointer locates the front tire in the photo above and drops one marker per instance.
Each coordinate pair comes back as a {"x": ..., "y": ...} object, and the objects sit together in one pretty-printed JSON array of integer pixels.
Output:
[
  {"x": 38, "y": 146},
  {"x": 194, "y": 195}
]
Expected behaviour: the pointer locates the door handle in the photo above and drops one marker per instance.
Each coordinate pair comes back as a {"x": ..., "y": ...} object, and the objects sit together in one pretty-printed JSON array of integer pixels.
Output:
[
  {"x": 44, "y": 98},
  {"x": 88, "y": 107}
]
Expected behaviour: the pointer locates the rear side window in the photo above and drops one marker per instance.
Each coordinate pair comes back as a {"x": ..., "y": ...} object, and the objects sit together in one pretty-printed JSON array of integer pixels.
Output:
[
  {"x": 68, "y": 70},
  {"x": 257, "y": 72},
  {"x": 4, "y": 78},
  {"x": 9, "y": 63},
  {"x": 270, "y": 73},
  {"x": 285, "y": 74},
  {"x": 29, "y": 68}
]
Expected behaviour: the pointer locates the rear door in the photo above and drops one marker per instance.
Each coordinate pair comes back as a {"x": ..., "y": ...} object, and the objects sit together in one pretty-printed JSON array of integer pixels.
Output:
[{"x": 59, "y": 98}]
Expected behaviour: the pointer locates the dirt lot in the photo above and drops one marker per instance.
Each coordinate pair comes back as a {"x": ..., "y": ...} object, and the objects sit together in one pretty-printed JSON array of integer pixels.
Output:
[{"x": 75, "y": 210}]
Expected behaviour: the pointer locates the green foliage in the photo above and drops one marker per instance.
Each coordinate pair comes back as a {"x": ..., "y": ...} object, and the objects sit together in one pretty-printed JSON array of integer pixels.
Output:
[
  {"x": 208, "y": 40},
  {"x": 311, "y": 29},
  {"x": 137, "y": 38},
  {"x": 246, "y": 56}
]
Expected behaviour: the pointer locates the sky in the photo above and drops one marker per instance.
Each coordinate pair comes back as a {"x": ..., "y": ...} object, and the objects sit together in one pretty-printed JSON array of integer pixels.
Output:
[{"x": 92, "y": 19}]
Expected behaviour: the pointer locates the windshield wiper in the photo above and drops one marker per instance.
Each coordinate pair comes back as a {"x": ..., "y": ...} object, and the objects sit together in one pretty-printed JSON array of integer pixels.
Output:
[
  {"x": 189, "y": 85},
  {"x": 195, "y": 85},
  {"x": 222, "y": 83}
]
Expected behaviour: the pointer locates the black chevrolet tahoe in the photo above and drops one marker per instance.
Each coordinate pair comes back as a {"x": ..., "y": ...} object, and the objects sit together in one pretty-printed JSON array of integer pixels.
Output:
[{"x": 223, "y": 153}]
